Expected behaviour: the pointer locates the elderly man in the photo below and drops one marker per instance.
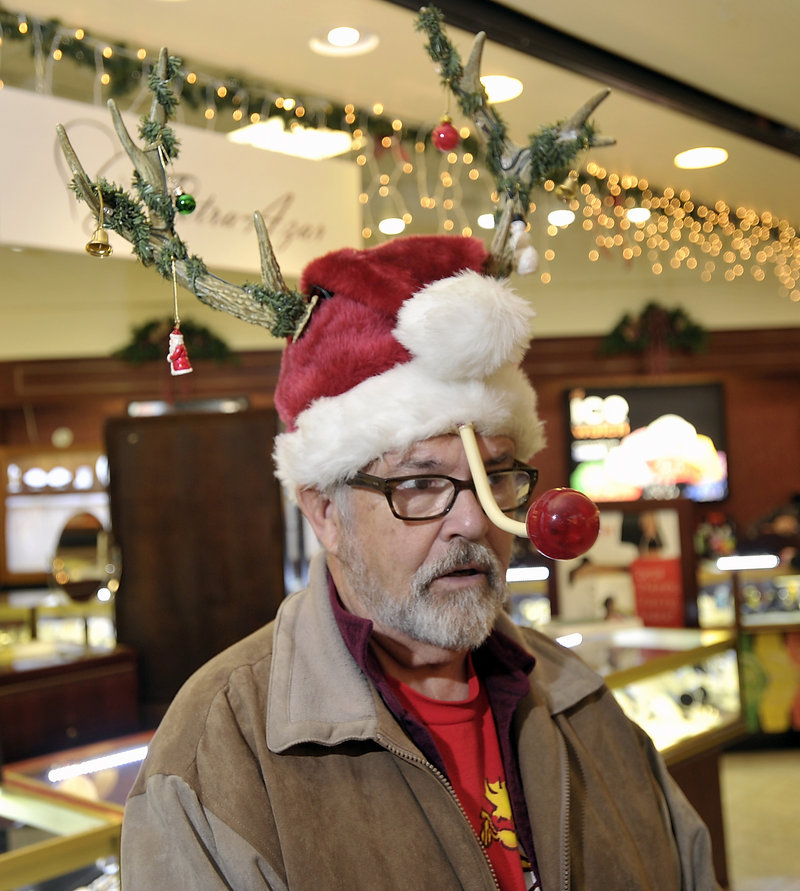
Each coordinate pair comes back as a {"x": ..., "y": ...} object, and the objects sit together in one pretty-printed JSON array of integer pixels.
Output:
[{"x": 391, "y": 728}]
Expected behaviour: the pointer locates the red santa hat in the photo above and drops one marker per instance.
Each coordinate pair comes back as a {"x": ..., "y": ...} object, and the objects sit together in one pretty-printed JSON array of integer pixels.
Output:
[{"x": 408, "y": 340}]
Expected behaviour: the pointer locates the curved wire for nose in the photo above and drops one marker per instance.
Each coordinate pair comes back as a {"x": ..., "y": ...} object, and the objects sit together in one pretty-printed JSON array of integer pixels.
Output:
[{"x": 482, "y": 488}]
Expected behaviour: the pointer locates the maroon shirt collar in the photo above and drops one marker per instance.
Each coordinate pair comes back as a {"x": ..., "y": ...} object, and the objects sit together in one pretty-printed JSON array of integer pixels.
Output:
[
  {"x": 504, "y": 668},
  {"x": 499, "y": 658}
]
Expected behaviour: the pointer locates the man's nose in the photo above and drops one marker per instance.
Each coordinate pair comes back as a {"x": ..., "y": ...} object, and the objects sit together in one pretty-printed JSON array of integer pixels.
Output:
[{"x": 466, "y": 517}]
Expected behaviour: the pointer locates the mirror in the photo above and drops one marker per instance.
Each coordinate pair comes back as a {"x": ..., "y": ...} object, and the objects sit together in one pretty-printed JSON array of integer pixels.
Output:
[{"x": 86, "y": 562}]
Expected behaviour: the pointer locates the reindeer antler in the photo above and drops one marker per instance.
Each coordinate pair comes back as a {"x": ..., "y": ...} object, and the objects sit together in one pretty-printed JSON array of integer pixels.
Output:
[
  {"x": 517, "y": 169},
  {"x": 148, "y": 222}
]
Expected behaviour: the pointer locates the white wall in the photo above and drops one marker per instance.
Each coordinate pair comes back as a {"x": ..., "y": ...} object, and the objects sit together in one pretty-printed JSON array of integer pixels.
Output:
[{"x": 55, "y": 304}]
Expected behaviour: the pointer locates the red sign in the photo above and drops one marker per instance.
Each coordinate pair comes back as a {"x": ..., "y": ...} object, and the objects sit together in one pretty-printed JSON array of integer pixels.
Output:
[{"x": 659, "y": 592}]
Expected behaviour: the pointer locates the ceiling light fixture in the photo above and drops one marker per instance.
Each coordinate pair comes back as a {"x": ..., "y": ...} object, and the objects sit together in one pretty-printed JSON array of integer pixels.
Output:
[
  {"x": 500, "y": 88},
  {"x": 344, "y": 36},
  {"x": 343, "y": 41},
  {"x": 315, "y": 144},
  {"x": 486, "y": 221},
  {"x": 560, "y": 217},
  {"x": 637, "y": 214},
  {"x": 391, "y": 226},
  {"x": 697, "y": 158}
]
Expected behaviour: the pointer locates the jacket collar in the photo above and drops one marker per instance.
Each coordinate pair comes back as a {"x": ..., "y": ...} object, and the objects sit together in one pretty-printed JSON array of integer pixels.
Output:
[{"x": 318, "y": 693}]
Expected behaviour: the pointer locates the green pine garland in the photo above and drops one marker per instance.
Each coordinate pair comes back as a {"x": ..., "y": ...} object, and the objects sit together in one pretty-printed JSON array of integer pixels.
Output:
[
  {"x": 129, "y": 217},
  {"x": 127, "y": 72},
  {"x": 147, "y": 342},
  {"x": 549, "y": 157},
  {"x": 655, "y": 325},
  {"x": 289, "y": 308}
]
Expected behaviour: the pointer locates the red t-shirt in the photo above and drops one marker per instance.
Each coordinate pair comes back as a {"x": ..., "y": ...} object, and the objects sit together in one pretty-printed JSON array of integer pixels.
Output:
[{"x": 465, "y": 734}]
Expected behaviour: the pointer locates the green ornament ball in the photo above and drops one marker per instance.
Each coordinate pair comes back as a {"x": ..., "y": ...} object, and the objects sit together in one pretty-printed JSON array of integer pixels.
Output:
[{"x": 185, "y": 203}]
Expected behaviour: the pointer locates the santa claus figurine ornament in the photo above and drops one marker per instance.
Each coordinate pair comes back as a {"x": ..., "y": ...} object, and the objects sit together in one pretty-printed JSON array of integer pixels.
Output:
[{"x": 177, "y": 356}]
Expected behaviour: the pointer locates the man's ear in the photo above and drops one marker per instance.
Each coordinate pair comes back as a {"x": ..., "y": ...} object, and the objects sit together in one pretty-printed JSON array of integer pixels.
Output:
[{"x": 321, "y": 513}]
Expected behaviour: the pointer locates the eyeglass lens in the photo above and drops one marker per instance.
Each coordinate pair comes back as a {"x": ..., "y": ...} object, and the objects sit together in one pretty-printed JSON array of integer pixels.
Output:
[{"x": 423, "y": 497}]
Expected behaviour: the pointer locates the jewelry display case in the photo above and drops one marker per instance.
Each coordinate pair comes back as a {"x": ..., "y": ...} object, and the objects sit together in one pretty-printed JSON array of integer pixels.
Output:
[
  {"x": 680, "y": 684},
  {"x": 768, "y": 602},
  {"x": 45, "y": 839},
  {"x": 768, "y": 598},
  {"x": 50, "y": 616},
  {"x": 63, "y": 814},
  {"x": 59, "y": 694},
  {"x": 40, "y": 489},
  {"x": 764, "y": 604}
]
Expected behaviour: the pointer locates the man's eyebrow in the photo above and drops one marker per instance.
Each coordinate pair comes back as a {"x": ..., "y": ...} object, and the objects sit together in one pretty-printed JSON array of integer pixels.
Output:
[
  {"x": 426, "y": 464},
  {"x": 432, "y": 464},
  {"x": 495, "y": 461}
]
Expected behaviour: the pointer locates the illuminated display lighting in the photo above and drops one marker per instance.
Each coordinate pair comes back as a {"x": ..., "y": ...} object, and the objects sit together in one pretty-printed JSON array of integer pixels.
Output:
[
  {"x": 94, "y": 765},
  {"x": 748, "y": 561}
]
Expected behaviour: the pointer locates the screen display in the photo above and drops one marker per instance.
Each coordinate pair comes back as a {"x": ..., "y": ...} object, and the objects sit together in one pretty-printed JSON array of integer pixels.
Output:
[{"x": 631, "y": 443}]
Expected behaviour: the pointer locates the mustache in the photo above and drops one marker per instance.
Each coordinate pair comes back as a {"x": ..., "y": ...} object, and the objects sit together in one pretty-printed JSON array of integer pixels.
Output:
[{"x": 461, "y": 554}]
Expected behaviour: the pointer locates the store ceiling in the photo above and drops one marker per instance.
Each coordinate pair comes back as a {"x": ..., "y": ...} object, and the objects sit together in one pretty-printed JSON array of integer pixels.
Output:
[{"x": 690, "y": 62}]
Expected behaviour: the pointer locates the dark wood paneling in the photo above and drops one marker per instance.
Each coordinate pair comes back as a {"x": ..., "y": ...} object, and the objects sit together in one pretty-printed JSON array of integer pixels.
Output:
[
  {"x": 760, "y": 373},
  {"x": 760, "y": 370},
  {"x": 197, "y": 513},
  {"x": 68, "y": 703}
]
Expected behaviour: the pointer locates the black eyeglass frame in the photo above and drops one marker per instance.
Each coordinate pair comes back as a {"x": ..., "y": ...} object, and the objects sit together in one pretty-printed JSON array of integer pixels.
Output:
[{"x": 386, "y": 485}]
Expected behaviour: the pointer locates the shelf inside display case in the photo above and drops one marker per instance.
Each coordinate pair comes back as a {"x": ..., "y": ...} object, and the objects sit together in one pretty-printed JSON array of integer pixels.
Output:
[
  {"x": 44, "y": 839},
  {"x": 681, "y": 685},
  {"x": 48, "y": 615},
  {"x": 62, "y": 814},
  {"x": 768, "y": 598}
]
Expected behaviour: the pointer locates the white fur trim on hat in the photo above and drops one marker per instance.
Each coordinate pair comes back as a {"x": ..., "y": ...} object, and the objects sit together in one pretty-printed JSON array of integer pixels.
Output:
[
  {"x": 336, "y": 436},
  {"x": 466, "y": 325}
]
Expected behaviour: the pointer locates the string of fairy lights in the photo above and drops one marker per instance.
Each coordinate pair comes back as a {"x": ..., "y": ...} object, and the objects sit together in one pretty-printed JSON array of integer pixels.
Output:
[
  {"x": 406, "y": 181},
  {"x": 670, "y": 230}
]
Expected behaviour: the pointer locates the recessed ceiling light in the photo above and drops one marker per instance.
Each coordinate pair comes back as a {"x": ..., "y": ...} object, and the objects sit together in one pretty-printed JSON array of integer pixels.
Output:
[
  {"x": 391, "y": 226},
  {"x": 500, "y": 88},
  {"x": 486, "y": 221},
  {"x": 707, "y": 156},
  {"x": 560, "y": 217},
  {"x": 343, "y": 41},
  {"x": 637, "y": 214},
  {"x": 314, "y": 143},
  {"x": 343, "y": 36}
]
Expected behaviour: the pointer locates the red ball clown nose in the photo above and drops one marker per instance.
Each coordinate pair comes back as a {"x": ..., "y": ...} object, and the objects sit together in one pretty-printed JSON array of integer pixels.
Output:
[{"x": 563, "y": 524}]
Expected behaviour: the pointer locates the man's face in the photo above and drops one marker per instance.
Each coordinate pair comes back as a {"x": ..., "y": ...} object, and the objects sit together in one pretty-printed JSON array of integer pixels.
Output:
[{"x": 439, "y": 582}]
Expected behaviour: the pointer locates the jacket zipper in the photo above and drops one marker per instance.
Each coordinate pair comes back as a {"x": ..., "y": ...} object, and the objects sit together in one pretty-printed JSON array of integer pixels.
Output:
[
  {"x": 565, "y": 810},
  {"x": 423, "y": 762}
]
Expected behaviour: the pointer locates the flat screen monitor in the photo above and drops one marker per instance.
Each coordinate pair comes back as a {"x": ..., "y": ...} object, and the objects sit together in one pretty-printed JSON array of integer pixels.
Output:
[{"x": 648, "y": 442}]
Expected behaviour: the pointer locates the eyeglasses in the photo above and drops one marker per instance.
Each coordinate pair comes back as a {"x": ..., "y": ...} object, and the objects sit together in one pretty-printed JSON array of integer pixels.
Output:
[{"x": 430, "y": 496}]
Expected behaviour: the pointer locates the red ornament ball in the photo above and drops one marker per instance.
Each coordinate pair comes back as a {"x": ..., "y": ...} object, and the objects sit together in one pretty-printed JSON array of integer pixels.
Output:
[
  {"x": 563, "y": 524},
  {"x": 445, "y": 136}
]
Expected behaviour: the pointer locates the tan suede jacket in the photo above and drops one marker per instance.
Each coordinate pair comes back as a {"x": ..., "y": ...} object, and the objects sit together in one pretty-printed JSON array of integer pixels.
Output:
[{"x": 278, "y": 766}]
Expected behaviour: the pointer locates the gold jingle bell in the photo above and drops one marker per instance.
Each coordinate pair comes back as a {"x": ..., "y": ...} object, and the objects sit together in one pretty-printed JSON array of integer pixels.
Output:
[
  {"x": 568, "y": 189},
  {"x": 98, "y": 246}
]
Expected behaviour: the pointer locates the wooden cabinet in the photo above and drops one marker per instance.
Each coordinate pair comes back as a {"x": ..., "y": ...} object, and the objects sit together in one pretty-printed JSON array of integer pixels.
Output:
[
  {"x": 55, "y": 696},
  {"x": 197, "y": 513}
]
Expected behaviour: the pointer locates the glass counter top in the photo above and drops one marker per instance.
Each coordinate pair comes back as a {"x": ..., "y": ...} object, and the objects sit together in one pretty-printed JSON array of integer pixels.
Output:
[
  {"x": 37, "y": 654},
  {"x": 43, "y": 838},
  {"x": 622, "y": 650},
  {"x": 681, "y": 685},
  {"x": 99, "y": 775}
]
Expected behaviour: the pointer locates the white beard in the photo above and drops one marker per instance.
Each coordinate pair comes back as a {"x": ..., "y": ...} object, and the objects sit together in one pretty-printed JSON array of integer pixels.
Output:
[{"x": 459, "y": 621}]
